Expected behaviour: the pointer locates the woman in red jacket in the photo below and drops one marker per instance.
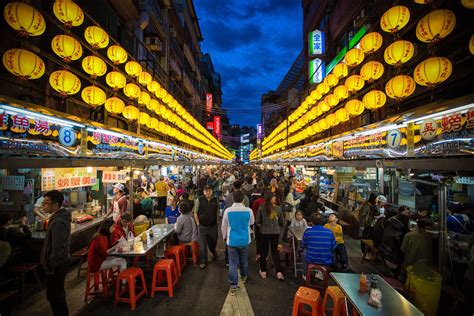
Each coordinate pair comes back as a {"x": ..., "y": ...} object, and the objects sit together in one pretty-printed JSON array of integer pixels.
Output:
[{"x": 98, "y": 255}]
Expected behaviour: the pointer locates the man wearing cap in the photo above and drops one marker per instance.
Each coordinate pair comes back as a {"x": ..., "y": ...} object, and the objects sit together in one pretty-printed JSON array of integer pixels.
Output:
[
  {"x": 380, "y": 203},
  {"x": 162, "y": 189},
  {"x": 206, "y": 211},
  {"x": 119, "y": 203}
]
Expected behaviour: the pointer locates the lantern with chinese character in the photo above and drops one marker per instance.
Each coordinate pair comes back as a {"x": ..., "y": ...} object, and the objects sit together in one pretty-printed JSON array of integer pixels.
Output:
[
  {"x": 400, "y": 87},
  {"x": 153, "y": 124},
  {"x": 313, "y": 113},
  {"x": 143, "y": 118},
  {"x": 322, "y": 88},
  {"x": 332, "y": 120},
  {"x": 94, "y": 66},
  {"x": 354, "y": 57},
  {"x": 331, "y": 80},
  {"x": 354, "y": 107},
  {"x": 374, "y": 99},
  {"x": 315, "y": 128},
  {"x": 132, "y": 91},
  {"x": 117, "y": 55},
  {"x": 93, "y": 96},
  {"x": 399, "y": 52},
  {"x": 342, "y": 115},
  {"x": 340, "y": 70},
  {"x": 394, "y": 19},
  {"x": 160, "y": 93},
  {"x": 468, "y": 3},
  {"x": 435, "y": 26},
  {"x": 341, "y": 92},
  {"x": 371, "y": 71},
  {"x": 432, "y": 71},
  {"x": 23, "y": 64},
  {"x": 68, "y": 12},
  {"x": 371, "y": 42},
  {"x": 144, "y": 78},
  {"x": 132, "y": 68},
  {"x": 323, "y": 125},
  {"x": 65, "y": 82},
  {"x": 153, "y": 105},
  {"x": 114, "y": 105},
  {"x": 324, "y": 106},
  {"x": 130, "y": 112},
  {"x": 167, "y": 99},
  {"x": 115, "y": 80},
  {"x": 24, "y": 18},
  {"x": 144, "y": 99},
  {"x": 315, "y": 94},
  {"x": 153, "y": 86},
  {"x": 332, "y": 100},
  {"x": 66, "y": 47},
  {"x": 96, "y": 37},
  {"x": 309, "y": 101},
  {"x": 354, "y": 83}
]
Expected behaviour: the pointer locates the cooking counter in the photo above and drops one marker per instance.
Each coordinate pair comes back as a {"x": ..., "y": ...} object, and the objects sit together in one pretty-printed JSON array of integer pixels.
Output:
[{"x": 75, "y": 228}]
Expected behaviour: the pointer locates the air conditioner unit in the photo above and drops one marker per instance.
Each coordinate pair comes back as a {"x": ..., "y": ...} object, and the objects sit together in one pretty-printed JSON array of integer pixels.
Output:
[{"x": 153, "y": 43}]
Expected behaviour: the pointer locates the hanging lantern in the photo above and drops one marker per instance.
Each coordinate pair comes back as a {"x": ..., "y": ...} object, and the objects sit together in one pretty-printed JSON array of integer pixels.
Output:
[
  {"x": 371, "y": 42},
  {"x": 23, "y": 64},
  {"x": 374, "y": 99},
  {"x": 130, "y": 112},
  {"x": 117, "y": 55},
  {"x": 423, "y": 1},
  {"x": 400, "y": 87},
  {"x": 66, "y": 47},
  {"x": 309, "y": 101},
  {"x": 435, "y": 26},
  {"x": 133, "y": 69},
  {"x": 324, "y": 106},
  {"x": 132, "y": 91},
  {"x": 315, "y": 95},
  {"x": 322, "y": 88},
  {"x": 342, "y": 115},
  {"x": 332, "y": 100},
  {"x": 143, "y": 118},
  {"x": 94, "y": 66},
  {"x": 315, "y": 128},
  {"x": 394, "y": 19},
  {"x": 153, "y": 105},
  {"x": 313, "y": 113},
  {"x": 354, "y": 57},
  {"x": 332, "y": 120},
  {"x": 114, "y": 105},
  {"x": 471, "y": 45},
  {"x": 144, "y": 99},
  {"x": 160, "y": 93},
  {"x": 432, "y": 71},
  {"x": 354, "y": 83},
  {"x": 468, "y": 3},
  {"x": 68, "y": 12},
  {"x": 115, "y": 80},
  {"x": 372, "y": 71},
  {"x": 153, "y": 86},
  {"x": 398, "y": 53},
  {"x": 323, "y": 125},
  {"x": 341, "y": 92},
  {"x": 354, "y": 107},
  {"x": 24, "y": 19},
  {"x": 340, "y": 70},
  {"x": 93, "y": 96},
  {"x": 331, "y": 80},
  {"x": 96, "y": 37},
  {"x": 153, "y": 124},
  {"x": 144, "y": 78},
  {"x": 65, "y": 82}
]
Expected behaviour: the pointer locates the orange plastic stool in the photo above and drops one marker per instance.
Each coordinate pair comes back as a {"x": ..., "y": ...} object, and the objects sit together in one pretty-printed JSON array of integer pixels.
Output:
[
  {"x": 193, "y": 248},
  {"x": 102, "y": 278},
  {"x": 177, "y": 253},
  {"x": 320, "y": 285},
  {"x": 307, "y": 296},
  {"x": 164, "y": 270},
  {"x": 130, "y": 274},
  {"x": 338, "y": 306}
]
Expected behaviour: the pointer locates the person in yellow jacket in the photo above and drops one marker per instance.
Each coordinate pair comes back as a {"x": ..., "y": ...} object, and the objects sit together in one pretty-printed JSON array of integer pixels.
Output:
[
  {"x": 162, "y": 189},
  {"x": 340, "y": 251}
]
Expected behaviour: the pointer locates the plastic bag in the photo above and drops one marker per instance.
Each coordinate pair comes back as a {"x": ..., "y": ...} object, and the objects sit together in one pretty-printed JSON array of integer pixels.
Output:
[{"x": 375, "y": 298}]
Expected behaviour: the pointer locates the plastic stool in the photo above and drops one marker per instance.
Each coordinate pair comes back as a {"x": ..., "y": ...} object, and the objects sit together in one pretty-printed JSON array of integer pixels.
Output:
[
  {"x": 193, "y": 248},
  {"x": 338, "y": 301},
  {"x": 177, "y": 253},
  {"x": 130, "y": 274},
  {"x": 164, "y": 270},
  {"x": 307, "y": 296},
  {"x": 102, "y": 278},
  {"x": 324, "y": 282}
]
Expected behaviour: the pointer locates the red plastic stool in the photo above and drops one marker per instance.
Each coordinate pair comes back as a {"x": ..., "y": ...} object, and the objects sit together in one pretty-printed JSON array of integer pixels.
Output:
[
  {"x": 324, "y": 282},
  {"x": 193, "y": 248},
  {"x": 164, "y": 270},
  {"x": 102, "y": 278},
  {"x": 309, "y": 297},
  {"x": 338, "y": 301},
  {"x": 177, "y": 253},
  {"x": 130, "y": 274}
]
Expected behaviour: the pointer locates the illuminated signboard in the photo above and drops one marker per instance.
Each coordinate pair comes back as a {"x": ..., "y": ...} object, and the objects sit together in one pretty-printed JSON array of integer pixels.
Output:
[
  {"x": 317, "y": 70},
  {"x": 67, "y": 178},
  {"x": 103, "y": 143},
  {"x": 209, "y": 102},
  {"x": 259, "y": 131},
  {"x": 316, "y": 43},
  {"x": 217, "y": 126}
]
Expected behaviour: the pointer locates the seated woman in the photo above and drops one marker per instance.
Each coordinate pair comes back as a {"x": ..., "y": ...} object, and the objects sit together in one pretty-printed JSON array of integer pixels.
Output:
[
  {"x": 98, "y": 254},
  {"x": 185, "y": 227},
  {"x": 122, "y": 227}
]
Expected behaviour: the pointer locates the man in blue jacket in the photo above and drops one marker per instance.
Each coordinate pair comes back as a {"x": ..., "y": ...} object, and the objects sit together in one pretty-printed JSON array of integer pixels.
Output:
[{"x": 236, "y": 232}]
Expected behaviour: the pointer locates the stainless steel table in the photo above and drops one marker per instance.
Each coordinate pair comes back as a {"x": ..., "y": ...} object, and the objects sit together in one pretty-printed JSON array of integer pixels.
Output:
[{"x": 75, "y": 228}]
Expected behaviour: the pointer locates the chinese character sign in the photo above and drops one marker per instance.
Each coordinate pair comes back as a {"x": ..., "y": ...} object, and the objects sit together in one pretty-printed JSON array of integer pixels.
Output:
[
  {"x": 317, "y": 70},
  {"x": 316, "y": 43},
  {"x": 428, "y": 129},
  {"x": 217, "y": 126},
  {"x": 259, "y": 131},
  {"x": 209, "y": 102},
  {"x": 114, "y": 176},
  {"x": 67, "y": 178}
]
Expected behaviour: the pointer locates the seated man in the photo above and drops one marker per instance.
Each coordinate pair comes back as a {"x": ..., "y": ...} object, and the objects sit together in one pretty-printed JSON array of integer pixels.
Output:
[
  {"x": 122, "y": 227},
  {"x": 416, "y": 245},
  {"x": 16, "y": 238},
  {"x": 318, "y": 243}
]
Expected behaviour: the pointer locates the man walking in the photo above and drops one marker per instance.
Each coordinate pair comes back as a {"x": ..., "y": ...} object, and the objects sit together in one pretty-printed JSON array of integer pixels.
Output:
[
  {"x": 236, "y": 232},
  {"x": 206, "y": 211},
  {"x": 55, "y": 255}
]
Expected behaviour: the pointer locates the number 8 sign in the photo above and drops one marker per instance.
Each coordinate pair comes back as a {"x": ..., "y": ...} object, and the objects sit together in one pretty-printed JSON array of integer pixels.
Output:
[
  {"x": 394, "y": 138},
  {"x": 67, "y": 136}
]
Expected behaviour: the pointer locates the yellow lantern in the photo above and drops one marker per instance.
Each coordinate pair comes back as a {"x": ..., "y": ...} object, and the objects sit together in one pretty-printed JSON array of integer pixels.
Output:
[
  {"x": 468, "y": 4},
  {"x": 315, "y": 95},
  {"x": 143, "y": 118},
  {"x": 23, "y": 64},
  {"x": 144, "y": 99},
  {"x": 132, "y": 68},
  {"x": 309, "y": 101},
  {"x": 354, "y": 57},
  {"x": 394, "y": 19},
  {"x": 332, "y": 100},
  {"x": 435, "y": 26},
  {"x": 153, "y": 105},
  {"x": 354, "y": 83},
  {"x": 96, "y": 37},
  {"x": 400, "y": 87},
  {"x": 340, "y": 70},
  {"x": 66, "y": 47},
  {"x": 371, "y": 42},
  {"x": 132, "y": 91},
  {"x": 341, "y": 92},
  {"x": 471, "y": 45},
  {"x": 93, "y": 96},
  {"x": 65, "y": 82},
  {"x": 331, "y": 80},
  {"x": 323, "y": 125},
  {"x": 94, "y": 66},
  {"x": 24, "y": 18},
  {"x": 374, "y": 99},
  {"x": 399, "y": 52},
  {"x": 342, "y": 115},
  {"x": 322, "y": 88},
  {"x": 160, "y": 93},
  {"x": 153, "y": 124},
  {"x": 117, "y": 54},
  {"x": 130, "y": 112},
  {"x": 114, "y": 105},
  {"x": 332, "y": 120},
  {"x": 423, "y": 1},
  {"x": 324, "y": 106},
  {"x": 372, "y": 71},
  {"x": 315, "y": 128},
  {"x": 115, "y": 80},
  {"x": 354, "y": 107},
  {"x": 432, "y": 71},
  {"x": 144, "y": 78},
  {"x": 153, "y": 86},
  {"x": 68, "y": 12}
]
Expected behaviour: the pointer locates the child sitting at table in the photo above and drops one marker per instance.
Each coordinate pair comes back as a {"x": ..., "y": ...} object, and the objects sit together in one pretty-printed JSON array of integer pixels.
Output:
[
  {"x": 185, "y": 226},
  {"x": 299, "y": 221},
  {"x": 122, "y": 227},
  {"x": 340, "y": 251}
]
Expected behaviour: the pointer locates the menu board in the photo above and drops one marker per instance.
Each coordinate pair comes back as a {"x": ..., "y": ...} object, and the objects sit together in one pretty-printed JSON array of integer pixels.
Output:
[
  {"x": 104, "y": 144},
  {"x": 114, "y": 176},
  {"x": 16, "y": 183},
  {"x": 67, "y": 178}
]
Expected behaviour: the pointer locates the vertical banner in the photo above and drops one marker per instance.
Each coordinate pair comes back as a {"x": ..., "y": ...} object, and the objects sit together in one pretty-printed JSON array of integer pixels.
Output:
[
  {"x": 316, "y": 43},
  {"x": 317, "y": 70},
  {"x": 217, "y": 126},
  {"x": 209, "y": 102},
  {"x": 259, "y": 131}
]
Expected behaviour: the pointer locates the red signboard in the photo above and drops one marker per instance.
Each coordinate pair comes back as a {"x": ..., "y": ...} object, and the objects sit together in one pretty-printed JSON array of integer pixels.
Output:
[
  {"x": 209, "y": 102},
  {"x": 210, "y": 126},
  {"x": 217, "y": 126}
]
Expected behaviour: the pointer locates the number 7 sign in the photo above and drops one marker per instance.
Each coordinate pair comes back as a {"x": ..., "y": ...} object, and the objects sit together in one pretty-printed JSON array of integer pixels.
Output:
[{"x": 394, "y": 138}]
